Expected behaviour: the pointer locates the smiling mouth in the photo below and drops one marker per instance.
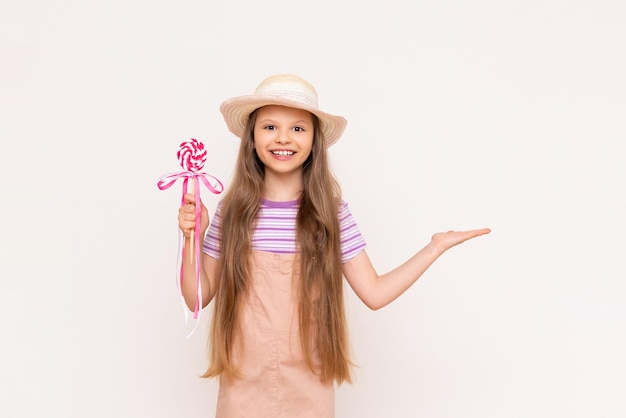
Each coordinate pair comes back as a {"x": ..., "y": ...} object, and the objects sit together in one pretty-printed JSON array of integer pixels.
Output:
[{"x": 283, "y": 153}]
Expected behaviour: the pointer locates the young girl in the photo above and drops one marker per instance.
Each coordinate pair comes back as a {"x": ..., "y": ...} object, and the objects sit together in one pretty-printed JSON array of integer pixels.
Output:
[{"x": 275, "y": 255}]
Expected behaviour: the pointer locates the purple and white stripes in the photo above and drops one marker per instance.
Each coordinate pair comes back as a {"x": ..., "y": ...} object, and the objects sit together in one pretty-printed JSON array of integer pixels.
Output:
[{"x": 276, "y": 230}]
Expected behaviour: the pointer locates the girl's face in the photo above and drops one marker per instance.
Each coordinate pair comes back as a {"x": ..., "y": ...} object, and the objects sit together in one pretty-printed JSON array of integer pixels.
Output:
[{"x": 283, "y": 138}]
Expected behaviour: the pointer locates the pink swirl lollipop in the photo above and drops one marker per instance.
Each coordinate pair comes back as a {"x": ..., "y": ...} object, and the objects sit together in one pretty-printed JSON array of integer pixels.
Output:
[{"x": 192, "y": 155}]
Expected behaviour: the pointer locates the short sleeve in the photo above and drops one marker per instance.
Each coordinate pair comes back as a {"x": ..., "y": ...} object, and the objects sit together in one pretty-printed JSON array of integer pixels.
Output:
[
  {"x": 212, "y": 240},
  {"x": 352, "y": 242}
]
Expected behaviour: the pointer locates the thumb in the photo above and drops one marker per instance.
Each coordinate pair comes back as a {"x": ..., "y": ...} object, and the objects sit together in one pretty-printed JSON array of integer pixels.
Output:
[{"x": 191, "y": 198}]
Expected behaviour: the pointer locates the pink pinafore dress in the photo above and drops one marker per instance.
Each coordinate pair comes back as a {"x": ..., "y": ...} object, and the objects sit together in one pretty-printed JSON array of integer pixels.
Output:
[{"x": 274, "y": 378}]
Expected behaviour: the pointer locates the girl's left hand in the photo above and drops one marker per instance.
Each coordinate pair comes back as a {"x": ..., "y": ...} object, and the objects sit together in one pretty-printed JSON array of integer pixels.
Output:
[{"x": 443, "y": 241}]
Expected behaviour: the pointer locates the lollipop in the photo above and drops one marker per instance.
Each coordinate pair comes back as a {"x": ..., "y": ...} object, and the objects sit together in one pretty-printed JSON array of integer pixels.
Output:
[{"x": 192, "y": 156}]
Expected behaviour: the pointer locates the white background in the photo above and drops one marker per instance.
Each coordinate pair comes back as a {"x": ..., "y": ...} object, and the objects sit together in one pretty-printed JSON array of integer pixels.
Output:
[{"x": 509, "y": 115}]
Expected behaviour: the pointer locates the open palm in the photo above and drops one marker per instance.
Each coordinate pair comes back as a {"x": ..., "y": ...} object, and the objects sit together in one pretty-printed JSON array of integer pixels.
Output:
[{"x": 446, "y": 240}]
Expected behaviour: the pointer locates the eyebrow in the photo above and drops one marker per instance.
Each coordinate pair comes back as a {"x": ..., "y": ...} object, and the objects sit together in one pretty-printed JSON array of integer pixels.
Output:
[{"x": 270, "y": 120}]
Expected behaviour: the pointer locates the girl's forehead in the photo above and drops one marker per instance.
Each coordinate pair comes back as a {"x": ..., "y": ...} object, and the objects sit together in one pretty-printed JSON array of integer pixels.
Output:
[{"x": 275, "y": 111}]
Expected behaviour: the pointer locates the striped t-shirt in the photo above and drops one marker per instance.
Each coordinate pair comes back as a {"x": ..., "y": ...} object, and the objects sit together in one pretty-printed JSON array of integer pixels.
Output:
[{"x": 276, "y": 230}]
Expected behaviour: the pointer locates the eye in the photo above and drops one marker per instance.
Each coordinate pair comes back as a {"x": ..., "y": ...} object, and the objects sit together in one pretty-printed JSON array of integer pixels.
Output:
[
  {"x": 298, "y": 129},
  {"x": 269, "y": 127}
]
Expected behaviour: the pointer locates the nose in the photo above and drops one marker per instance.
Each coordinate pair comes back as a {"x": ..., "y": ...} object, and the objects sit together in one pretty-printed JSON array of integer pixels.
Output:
[{"x": 283, "y": 137}]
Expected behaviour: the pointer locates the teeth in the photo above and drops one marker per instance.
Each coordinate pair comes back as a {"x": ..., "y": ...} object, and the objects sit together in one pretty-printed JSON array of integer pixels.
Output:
[{"x": 282, "y": 153}]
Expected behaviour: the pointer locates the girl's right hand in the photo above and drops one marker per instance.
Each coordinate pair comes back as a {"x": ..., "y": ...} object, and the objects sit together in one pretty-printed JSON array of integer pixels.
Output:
[
  {"x": 443, "y": 241},
  {"x": 187, "y": 216}
]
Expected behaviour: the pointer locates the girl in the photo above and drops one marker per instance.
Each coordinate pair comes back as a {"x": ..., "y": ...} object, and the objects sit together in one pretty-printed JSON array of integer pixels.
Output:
[{"x": 275, "y": 255}]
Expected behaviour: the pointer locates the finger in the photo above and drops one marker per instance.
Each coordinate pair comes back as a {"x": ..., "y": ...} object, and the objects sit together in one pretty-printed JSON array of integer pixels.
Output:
[
  {"x": 188, "y": 208},
  {"x": 477, "y": 232},
  {"x": 187, "y": 219},
  {"x": 187, "y": 226},
  {"x": 186, "y": 216},
  {"x": 190, "y": 198}
]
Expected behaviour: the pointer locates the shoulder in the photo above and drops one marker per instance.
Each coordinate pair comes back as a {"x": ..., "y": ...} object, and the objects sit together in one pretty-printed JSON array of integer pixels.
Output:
[
  {"x": 342, "y": 207},
  {"x": 220, "y": 207},
  {"x": 346, "y": 218}
]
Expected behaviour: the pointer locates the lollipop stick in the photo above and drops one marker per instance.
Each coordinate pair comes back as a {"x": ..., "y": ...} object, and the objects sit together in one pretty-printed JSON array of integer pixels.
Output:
[{"x": 193, "y": 231}]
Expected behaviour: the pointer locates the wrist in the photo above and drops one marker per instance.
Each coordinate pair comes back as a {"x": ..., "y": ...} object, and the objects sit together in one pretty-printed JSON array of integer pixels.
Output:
[{"x": 433, "y": 249}]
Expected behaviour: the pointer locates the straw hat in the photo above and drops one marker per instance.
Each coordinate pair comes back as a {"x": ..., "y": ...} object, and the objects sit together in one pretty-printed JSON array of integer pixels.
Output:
[{"x": 283, "y": 90}]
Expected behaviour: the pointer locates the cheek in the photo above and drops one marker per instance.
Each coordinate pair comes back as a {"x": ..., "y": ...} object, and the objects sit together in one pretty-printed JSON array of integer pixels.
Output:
[
  {"x": 259, "y": 136},
  {"x": 310, "y": 143}
]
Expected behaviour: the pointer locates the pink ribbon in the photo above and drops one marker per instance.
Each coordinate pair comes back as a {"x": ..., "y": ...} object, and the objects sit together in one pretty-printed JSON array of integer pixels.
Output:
[{"x": 166, "y": 181}]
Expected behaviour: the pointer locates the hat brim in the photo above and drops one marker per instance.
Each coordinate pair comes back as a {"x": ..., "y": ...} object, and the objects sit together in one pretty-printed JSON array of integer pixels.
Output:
[{"x": 236, "y": 112}]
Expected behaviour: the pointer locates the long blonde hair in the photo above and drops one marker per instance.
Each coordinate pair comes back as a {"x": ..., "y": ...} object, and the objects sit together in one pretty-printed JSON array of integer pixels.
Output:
[{"x": 321, "y": 303}]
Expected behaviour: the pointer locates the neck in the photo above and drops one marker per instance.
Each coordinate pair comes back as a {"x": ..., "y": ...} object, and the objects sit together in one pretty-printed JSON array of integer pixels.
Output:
[{"x": 282, "y": 188}]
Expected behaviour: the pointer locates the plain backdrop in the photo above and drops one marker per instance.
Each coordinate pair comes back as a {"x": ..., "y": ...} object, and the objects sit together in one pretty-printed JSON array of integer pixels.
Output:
[{"x": 462, "y": 114}]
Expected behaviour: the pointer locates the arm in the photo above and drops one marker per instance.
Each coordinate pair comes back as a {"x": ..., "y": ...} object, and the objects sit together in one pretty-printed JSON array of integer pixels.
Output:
[
  {"x": 208, "y": 267},
  {"x": 377, "y": 291}
]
